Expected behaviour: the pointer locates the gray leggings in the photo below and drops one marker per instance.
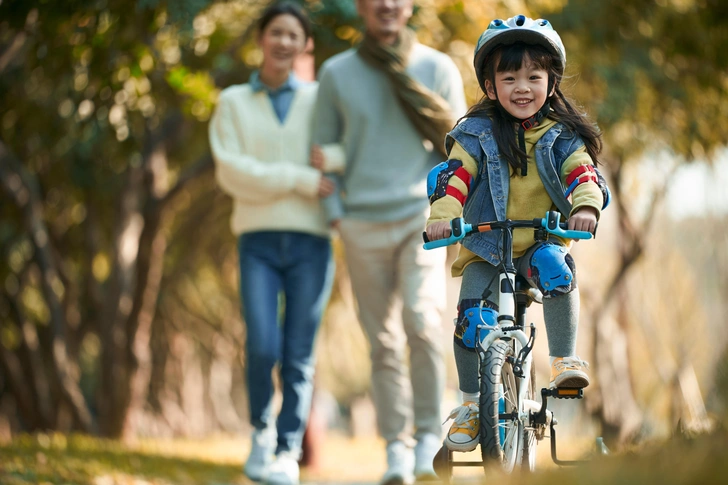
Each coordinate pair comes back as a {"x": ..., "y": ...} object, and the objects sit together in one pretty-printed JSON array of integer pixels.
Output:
[{"x": 561, "y": 316}]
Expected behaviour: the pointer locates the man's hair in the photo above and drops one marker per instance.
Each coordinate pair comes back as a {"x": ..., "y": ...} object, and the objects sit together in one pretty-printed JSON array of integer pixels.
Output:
[{"x": 281, "y": 8}]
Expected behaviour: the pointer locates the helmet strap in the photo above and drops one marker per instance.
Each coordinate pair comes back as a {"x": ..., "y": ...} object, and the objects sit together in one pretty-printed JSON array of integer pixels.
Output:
[{"x": 524, "y": 125}]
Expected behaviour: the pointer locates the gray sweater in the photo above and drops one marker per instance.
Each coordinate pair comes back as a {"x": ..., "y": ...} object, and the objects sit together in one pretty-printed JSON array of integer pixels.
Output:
[{"x": 387, "y": 160}]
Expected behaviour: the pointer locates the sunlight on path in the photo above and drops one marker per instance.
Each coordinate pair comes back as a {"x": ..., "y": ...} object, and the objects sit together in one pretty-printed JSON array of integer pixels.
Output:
[{"x": 344, "y": 460}]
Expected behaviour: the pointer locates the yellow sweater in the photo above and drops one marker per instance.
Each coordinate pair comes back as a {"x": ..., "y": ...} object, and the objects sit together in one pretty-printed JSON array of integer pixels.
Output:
[{"x": 527, "y": 197}]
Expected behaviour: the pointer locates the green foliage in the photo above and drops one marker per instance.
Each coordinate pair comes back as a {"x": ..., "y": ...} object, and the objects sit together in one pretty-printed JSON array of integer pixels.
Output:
[
  {"x": 654, "y": 71},
  {"x": 181, "y": 12}
]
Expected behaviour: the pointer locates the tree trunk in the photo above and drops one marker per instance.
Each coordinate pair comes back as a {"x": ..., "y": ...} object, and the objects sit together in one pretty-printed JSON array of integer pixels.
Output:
[{"x": 24, "y": 190}]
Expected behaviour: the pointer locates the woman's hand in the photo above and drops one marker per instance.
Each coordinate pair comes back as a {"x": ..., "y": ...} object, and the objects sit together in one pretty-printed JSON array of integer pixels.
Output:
[
  {"x": 326, "y": 186},
  {"x": 317, "y": 157},
  {"x": 584, "y": 219},
  {"x": 438, "y": 230}
]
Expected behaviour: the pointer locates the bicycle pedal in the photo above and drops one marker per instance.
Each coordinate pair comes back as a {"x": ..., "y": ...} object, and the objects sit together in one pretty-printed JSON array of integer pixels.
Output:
[{"x": 565, "y": 393}]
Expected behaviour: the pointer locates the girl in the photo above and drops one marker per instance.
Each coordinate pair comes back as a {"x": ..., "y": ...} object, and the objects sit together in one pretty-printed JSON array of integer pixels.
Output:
[
  {"x": 259, "y": 136},
  {"x": 512, "y": 156}
]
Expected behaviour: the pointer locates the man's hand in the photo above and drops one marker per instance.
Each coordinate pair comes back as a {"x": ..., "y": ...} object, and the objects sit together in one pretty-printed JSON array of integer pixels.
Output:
[
  {"x": 326, "y": 186},
  {"x": 317, "y": 157},
  {"x": 584, "y": 219},
  {"x": 438, "y": 230}
]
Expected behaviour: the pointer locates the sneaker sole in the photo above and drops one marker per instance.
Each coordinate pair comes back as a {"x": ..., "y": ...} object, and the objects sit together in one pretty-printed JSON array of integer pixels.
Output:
[
  {"x": 394, "y": 481},
  {"x": 571, "y": 382},
  {"x": 469, "y": 446}
]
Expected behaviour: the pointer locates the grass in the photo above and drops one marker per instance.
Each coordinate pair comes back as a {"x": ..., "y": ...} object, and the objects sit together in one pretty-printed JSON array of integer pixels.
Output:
[{"x": 81, "y": 460}]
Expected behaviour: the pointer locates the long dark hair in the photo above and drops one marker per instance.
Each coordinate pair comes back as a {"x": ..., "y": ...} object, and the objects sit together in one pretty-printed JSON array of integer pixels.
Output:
[
  {"x": 280, "y": 8},
  {"x": 510, "y": 58}
]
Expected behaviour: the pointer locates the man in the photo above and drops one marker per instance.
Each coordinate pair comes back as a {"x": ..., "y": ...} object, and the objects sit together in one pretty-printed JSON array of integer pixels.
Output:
[{"x": 389, "y": 103}]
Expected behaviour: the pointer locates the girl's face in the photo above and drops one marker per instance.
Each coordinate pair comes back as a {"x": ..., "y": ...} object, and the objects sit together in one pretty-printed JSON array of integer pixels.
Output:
[
  {"x": 281, "y": 41},
  {"x": 521, "y": 92}
]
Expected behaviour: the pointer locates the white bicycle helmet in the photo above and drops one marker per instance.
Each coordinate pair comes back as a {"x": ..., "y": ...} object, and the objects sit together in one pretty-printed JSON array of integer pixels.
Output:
[{"x": 517, "y": 29}]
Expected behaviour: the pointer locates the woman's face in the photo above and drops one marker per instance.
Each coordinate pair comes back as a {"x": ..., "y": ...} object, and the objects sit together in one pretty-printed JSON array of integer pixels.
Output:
[
  {"x": 521, "y": 92},
  {"x": 281, "y": 41}
]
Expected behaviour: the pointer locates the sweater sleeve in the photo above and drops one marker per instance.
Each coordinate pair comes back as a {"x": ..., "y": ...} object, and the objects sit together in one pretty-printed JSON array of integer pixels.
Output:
[
  {"x": 327, "y": 125},
  {"x": 448, "y": 207},
  {"x": 586, "y": 194},
  {"x": 243, "y": 176},
  {"x": 326, "y": 120},
  {"x": 451, "y": 88}
]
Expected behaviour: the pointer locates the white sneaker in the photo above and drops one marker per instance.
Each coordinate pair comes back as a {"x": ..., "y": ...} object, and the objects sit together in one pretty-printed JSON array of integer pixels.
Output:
[
  {"x": 400, "y": 464},
  {"x": 283, "y": 471},
  {"x": 263, "y": 442},
  {"x": 427, "y": 447}
]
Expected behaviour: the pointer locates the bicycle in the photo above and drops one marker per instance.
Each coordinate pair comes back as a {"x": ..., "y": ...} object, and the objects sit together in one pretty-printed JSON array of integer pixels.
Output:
[{"x": 511, "y": 421}]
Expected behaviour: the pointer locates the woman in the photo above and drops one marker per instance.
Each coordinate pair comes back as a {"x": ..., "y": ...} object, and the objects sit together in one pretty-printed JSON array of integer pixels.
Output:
[{"x": 259, "y": 136}]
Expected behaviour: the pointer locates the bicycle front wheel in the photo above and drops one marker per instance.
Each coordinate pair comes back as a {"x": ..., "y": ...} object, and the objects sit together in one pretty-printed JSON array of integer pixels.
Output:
[{"x": 500, "y": 439}]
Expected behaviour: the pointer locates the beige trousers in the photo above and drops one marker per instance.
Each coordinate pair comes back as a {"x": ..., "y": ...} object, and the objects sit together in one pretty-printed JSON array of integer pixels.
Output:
[{"x": 400, "y": 293}]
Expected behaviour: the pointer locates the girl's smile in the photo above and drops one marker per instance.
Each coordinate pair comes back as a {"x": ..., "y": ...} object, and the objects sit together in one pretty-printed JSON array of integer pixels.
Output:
[{"x": 521, "y": 92}]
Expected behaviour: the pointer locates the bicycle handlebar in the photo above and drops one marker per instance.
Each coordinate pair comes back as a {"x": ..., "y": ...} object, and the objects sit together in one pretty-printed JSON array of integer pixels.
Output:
[{"x": 551, "y": 223}]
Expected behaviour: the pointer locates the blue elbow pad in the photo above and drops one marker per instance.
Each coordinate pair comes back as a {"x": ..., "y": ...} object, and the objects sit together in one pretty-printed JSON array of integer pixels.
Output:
[{"x": 438, "y": 178}]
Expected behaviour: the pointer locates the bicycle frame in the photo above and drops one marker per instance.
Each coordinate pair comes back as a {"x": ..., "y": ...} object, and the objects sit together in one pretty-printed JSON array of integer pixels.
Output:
[{"x": 507, "y": 305}]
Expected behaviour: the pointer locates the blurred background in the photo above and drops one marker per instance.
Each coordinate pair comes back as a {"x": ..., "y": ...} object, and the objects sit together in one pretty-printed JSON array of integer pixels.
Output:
[{"x": 119, "y": 310}]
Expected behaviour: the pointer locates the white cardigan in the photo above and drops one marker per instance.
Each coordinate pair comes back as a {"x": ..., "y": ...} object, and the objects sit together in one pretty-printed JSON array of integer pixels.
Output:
[{"x": 264, "y": 164}]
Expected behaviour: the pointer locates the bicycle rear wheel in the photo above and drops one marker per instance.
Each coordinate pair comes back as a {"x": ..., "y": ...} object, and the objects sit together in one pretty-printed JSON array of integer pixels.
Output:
[
  {"x": 500, "y": 439},
  {"x": 530, "y": 437}
]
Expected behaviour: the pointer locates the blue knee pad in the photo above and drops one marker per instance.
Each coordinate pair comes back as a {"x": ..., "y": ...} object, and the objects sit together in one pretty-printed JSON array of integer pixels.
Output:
[
  {"x": 468, "y": 321},
  {"x": 552, "y": 269}
]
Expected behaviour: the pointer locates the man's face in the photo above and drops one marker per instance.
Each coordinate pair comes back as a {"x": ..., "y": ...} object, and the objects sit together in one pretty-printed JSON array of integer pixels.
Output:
[{"x": 384, "y": 19}]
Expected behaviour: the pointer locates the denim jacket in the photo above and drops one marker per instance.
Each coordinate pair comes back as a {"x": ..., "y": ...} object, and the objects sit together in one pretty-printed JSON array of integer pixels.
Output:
[{"x": 488, "y": 196}]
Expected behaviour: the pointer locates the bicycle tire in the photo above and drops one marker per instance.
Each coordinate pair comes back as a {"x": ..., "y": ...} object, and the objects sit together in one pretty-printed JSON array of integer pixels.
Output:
[
  {"x": 529, "y": 440},
  {"x": 495, "y": 372}
]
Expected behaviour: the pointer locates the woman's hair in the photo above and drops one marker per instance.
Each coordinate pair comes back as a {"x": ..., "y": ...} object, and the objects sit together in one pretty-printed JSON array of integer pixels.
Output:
[
  {"x": 280, "y": 8},
  {"x": 510, "y": 58}
]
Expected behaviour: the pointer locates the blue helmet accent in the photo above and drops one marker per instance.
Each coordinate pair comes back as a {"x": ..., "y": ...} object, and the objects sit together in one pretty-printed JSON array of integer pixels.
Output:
[
  {"x": 489, "y": 317},
  {"x": 552, "y": 269}
]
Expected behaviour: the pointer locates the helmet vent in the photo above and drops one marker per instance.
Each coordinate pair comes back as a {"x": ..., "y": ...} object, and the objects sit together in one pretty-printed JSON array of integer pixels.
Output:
[{"x": 520, "y": 20}]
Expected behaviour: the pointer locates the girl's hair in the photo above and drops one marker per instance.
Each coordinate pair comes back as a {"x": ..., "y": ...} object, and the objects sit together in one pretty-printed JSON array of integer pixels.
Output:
[
  {"x": 510, "y": 58},
  {"x": 280, "y": 8}
]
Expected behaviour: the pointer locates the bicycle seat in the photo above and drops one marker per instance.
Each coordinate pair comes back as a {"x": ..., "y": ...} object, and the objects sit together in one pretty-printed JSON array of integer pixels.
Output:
[{"x": 528, "y": 292}]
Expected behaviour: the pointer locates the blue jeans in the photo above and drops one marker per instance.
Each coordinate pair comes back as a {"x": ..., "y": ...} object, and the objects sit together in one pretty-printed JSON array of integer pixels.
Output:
[{"x": 298, "y": 267}]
